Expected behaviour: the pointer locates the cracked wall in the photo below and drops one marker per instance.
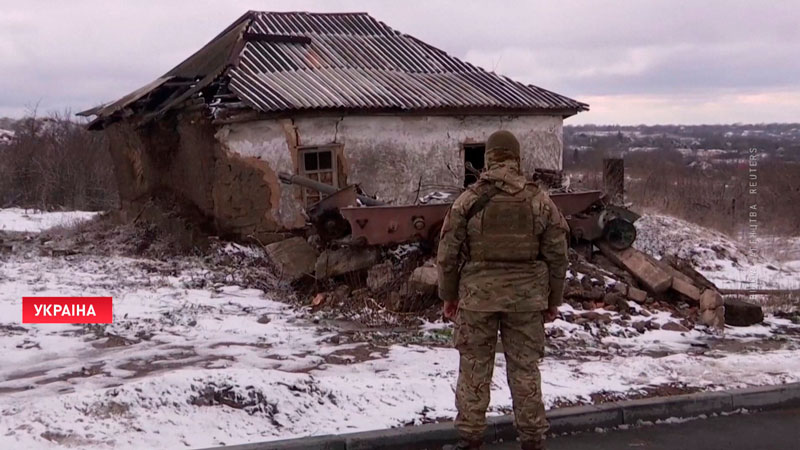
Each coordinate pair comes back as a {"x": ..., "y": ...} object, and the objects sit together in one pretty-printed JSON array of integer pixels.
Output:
[
  {"x": 388, "y": 156},
  {"x": 229, "y": 173}
]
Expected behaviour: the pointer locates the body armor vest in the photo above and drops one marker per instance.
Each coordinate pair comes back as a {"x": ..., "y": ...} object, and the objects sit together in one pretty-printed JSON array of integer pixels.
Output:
[{"x": 504, "y": 231}]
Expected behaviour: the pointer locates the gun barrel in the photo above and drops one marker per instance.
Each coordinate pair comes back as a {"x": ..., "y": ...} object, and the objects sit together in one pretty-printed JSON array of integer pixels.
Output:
[{"x": 322, "y": 187}]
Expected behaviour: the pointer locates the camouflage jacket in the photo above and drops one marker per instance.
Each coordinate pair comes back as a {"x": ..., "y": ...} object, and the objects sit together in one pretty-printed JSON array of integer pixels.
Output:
[{"x": 509, "y": 256}]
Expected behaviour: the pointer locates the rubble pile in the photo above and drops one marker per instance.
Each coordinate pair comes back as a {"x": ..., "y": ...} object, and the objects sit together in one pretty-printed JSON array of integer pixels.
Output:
[
  {"x": 400, "y": 279},
  {"x": 403, "y": 279}
]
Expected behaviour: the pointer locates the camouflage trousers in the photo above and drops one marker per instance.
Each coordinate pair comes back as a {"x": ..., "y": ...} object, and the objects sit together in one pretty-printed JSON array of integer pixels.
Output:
[{"x": 475, "y": 337}]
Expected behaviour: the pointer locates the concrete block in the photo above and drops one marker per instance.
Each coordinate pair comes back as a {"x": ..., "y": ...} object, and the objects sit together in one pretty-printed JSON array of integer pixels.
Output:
[
  {"x": 710, "y": 299},
  {"x": 424, "y": 280},
  {"x": 685, "y": 288},
  {"x": 344, "y": 260},
  {"x": 637, "y": 295},
  {"x": 767, "y": 397},
  {"x": 691, "y": 405},
  {"x": 653, "y": 277},
  {"x": 293, "y": 257}
]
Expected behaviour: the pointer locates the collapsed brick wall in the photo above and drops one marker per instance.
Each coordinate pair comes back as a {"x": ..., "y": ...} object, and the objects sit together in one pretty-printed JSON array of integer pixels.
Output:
[
  {"x": 178, "y": 158},
  {"x": 245, "y": 193}
]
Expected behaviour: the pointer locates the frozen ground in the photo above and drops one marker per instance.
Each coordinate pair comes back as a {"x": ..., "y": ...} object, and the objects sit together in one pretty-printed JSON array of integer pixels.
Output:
[
  {"x": 32, "y": 220},
  {"x": 728, "y": 263},
  {"x": 188, "y": 367}
]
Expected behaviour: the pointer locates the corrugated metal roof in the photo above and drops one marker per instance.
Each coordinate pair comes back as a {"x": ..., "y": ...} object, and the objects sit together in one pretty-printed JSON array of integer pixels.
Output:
[
  {"x": 355, "y": 61},
  {"x": 281, "y": 62}
]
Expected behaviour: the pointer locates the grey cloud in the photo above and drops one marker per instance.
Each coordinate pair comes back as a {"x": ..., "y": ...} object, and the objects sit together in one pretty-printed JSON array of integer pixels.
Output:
[{"x": 78, "y": 54}]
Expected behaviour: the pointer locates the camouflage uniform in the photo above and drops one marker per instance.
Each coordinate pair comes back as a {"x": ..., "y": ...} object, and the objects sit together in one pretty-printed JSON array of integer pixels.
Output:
[{"x": 505, "y": 263}]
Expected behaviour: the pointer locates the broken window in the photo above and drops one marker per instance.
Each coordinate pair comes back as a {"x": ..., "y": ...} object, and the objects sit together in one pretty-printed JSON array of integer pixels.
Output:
[
  {"x": 474, "y": 160},
  {"x": 318, "y": 164}
]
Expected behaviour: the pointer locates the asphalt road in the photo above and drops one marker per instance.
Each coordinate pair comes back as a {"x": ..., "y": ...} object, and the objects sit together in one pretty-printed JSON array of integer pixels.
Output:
[{"x": 777, "y": 430}]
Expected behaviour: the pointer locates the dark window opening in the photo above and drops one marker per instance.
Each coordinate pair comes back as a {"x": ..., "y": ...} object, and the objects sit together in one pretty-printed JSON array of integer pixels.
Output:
[{"x": 474, "y": 161}]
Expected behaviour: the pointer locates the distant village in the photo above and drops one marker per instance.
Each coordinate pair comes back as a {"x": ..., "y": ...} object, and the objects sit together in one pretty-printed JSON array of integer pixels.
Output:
[{"x": 699, "y": 145}]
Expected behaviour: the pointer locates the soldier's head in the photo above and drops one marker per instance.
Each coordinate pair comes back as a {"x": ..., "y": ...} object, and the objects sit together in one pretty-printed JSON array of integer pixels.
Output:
[{"x": 500, "y": 147}]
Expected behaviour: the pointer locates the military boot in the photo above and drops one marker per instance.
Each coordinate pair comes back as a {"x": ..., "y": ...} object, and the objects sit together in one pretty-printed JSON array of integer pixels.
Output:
[
  {"x": 533, "y": 445},
  {"x": 464, "y": 445}
]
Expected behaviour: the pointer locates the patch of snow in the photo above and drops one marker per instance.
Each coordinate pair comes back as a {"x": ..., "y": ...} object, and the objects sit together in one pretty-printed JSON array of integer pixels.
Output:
[
  {"x": 725, "y": 261},
  {"x": 6, "y": 136},
  {"x": 185, "y": 367},
  {"x": 234, "y": 249},
  {"x": 34, "y": 221},
  {"x": 438, "y": 197}
]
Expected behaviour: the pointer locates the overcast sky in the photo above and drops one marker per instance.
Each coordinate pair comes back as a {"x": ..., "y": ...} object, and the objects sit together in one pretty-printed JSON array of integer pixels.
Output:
[{"x": 632, "y": 61}]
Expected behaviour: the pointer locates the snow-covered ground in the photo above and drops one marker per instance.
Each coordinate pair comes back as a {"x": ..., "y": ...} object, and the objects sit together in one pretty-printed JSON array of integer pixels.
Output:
[
  {"x": 31, "y": 220},
  {"x": 6, "y": 136},
  {"x": 768, "y": 262},
  {"x": 188, "y": 367}
]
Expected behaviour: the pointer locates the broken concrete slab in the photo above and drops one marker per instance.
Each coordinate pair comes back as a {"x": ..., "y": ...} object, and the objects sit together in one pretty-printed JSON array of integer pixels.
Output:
[
  {"x": 294, "y": 258},
  {"x": 344, "y": 260},
  {"x": 654, "y": 278},
  {"x": 637, "y": 295},
  {"x": 710, "y": 300},
  {"x": 684, "y": 267},
  {"x": 740, "y": 313},
  {"x": 720, "y": 320},
  {"x": 424, "y": 280},
  {"x": 688, "y": 289},
  {"x": 674, "y": 326},
  {"x": 710, "y": 318},
  {"x": 674, "y": 271}
]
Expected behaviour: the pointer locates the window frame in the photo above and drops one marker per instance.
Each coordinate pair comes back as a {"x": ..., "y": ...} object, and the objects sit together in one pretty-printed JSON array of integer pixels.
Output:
[{"x": 316, "y": 174}]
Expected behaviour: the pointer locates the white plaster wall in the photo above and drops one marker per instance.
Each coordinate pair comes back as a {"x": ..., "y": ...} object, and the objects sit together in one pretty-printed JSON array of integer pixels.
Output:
[{"x": 390, "y": 156}]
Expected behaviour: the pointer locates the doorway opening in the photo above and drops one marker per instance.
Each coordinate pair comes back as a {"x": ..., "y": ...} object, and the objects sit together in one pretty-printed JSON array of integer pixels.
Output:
[{"x": 474, "y": 161}]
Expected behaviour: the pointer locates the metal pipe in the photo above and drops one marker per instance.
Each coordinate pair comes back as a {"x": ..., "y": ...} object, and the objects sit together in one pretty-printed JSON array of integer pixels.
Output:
[{"x": 299, "y": 180}]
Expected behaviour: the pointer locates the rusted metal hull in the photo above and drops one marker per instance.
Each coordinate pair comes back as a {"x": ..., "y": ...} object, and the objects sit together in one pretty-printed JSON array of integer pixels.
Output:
[
  {"x": 382, "y": 225},
  {"x": 575, "y": 202},
  {"x": 377, "y": 224}
]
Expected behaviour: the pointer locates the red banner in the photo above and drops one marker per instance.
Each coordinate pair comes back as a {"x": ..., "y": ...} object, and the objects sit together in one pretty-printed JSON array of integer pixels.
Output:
[{"x": 67, "y": 310}]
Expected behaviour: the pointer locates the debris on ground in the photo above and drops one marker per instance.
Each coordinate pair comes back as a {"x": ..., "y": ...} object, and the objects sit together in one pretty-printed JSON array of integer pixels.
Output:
[
  {"x": 383, "y": 256},
  {"x": 213, "y": 347},
  {"x": 293, "y": 258},
  {"x": 740, "y": 313}
]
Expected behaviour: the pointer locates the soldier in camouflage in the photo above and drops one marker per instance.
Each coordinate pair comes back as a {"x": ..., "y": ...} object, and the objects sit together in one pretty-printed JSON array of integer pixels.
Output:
[{"x": 502, "y": 259}]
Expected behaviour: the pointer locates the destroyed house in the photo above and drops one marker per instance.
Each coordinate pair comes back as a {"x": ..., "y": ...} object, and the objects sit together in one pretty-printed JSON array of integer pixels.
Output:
[{"x": 340, "y": 98}]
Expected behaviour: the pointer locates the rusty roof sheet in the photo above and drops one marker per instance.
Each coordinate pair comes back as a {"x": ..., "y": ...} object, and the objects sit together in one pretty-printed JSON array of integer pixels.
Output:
[
  {"x": 281, "y": 62},
  {"x": 352, "y": 60}
]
